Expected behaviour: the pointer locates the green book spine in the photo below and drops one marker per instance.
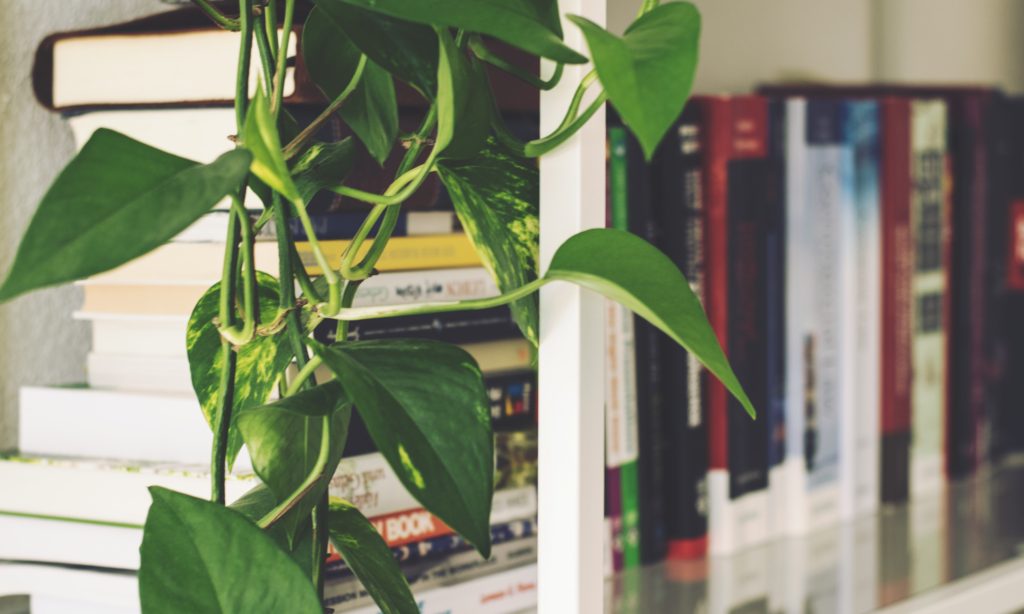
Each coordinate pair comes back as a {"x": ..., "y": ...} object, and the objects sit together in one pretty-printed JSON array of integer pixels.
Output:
[{"x": 626, "y": 363}]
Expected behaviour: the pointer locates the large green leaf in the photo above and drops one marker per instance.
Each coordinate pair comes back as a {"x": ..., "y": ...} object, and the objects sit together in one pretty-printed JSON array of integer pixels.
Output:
[
  {"x": 631, "y": 271},
  {"x": 370, "y": 559},
  {"x": 463, "y": 102},
  {"x": 371, "y": 110},
  {"x": 424, "y": 405},
  {"x": 257, "y": 503},
  {"x": 495, "y": 196},
  {"x": 202, "y": 557},
  {"x": 323, "y": 165},
  {"x": 527, "y": 24},
  {"x": 259, "y": 365},
  {"x": 116, "y": 200},
  {"x": 649, "y": 71},
  {"x": 261, "y": 137},
  {"x": 284, "y": 438},
  {"x": 406, "y": 50}
]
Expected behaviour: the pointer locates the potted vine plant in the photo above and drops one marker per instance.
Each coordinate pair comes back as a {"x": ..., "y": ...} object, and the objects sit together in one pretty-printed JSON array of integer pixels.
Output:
[{"x": 118, "y": 199}]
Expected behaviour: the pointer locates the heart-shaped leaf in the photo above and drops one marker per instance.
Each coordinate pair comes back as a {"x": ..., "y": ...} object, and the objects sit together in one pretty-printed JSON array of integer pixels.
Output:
[
  {"x": 202, "y": 557},
  {"x": 406, "y": 50},
  {"x": 331, "y": 59},
  {"x": 370, "y": 559},
  {"x": 323, "y": 165},
  {"x": 463, "y": 102},
  {"x": 284, "y": 439},
  {"x": 257, "y": 503},
  {"x": 372, "y": 112},
  {"x": 527, "y": 24},
  {"x": 116, "y": 200},
  {"x": 631, "y": 271},
  {"x": 496, "y": 195},
  {"x": 425, "y": 406},
  {"x": 648, "y": 73},
  {"x": 261, "y": 137},
  {"x": 259, "y": 365}
]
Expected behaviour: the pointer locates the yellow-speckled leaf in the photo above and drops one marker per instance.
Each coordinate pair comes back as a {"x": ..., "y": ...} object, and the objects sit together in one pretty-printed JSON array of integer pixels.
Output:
[
  {"x": 260, "y": 362},
  {"x": 496, "y": 195}
]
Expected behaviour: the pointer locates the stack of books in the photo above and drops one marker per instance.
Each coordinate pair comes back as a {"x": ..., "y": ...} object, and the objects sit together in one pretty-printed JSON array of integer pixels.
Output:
[
  {"x": 76, "y": 491},
  {"x": 858, "y": 251}
]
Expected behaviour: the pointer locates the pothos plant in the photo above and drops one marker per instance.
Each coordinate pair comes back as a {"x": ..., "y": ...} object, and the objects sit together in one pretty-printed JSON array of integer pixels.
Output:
[{"x": 423, "y": 402}]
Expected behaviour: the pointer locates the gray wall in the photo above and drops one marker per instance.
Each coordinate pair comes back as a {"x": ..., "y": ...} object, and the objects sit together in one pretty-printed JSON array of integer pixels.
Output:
[{"x": 39, "y": 343}]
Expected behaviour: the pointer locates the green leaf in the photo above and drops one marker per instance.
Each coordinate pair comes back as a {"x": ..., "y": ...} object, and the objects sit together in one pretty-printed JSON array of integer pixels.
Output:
[
  {"x": 527, "y": 24},
  {"x": 631, "y": 271},
  {"x": 116, "y": 200},
  {"x": 372, "y": 112},
  {"x": 260, "y": 362},
  {"x": 260, "y": 136},
  {"x": 406, "y": 50},
  {"x": 257, "y": 503},
  {"x": 323, "y": 165},
  {"x": 496, "y": 195},
  {"x": 463, "y": 102},
  {"x": 284, "y": 437},
  {"x": 425, "y": 407},
  {"x": 370, "y": 559},
  {"x": 331, "y": 58},
  {"x": 202, "y": 557},
  {"x": 648, "y": 72}
]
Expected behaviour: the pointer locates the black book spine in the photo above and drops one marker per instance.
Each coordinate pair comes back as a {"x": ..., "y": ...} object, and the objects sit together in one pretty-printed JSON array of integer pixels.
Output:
[
  {"x": 775, "y": 286},
  {"x": 680, "y": 213},
  {"x": 451, "y": 327},
  {"x": 749, "y": 181}
]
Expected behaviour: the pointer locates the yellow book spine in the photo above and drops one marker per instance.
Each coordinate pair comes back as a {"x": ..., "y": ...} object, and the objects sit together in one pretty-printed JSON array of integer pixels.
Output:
[{"x": 401, "y": 253}]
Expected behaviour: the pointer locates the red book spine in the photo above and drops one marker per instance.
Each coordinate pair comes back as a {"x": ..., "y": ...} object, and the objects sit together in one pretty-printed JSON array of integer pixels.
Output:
[
  {"x": 897, "y": 269},
  {"x": 735, "y": 128}
]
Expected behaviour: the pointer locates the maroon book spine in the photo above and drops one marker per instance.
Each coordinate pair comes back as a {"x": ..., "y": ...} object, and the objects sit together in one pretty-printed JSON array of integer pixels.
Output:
[{"x": 897, "y": 270}]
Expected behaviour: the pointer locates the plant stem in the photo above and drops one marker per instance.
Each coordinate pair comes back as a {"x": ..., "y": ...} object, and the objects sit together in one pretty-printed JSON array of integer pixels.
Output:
[
  {"x": 295, "y": 146},
  {"x": 309, "y": 483},
  {"x": 282, "y": 57},
  {"x": 285, "y": 253},
  {"x": 541, "y": 146},
  {"x": 391, "y": 311},
  {"x": 226, "y": 385},
  {"x": 320, "y": 534},
  {"x": 265, "y": 47},
  {"x": 217, "y": 17},
  {"x": 270, "y": 26},
  {"x": 400, "y": 189}
]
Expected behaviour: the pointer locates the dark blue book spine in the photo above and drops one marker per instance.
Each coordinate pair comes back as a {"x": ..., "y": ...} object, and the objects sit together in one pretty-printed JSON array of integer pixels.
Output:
[
  {"x": 775, "y": 284},
  {"x": 343, "y": 225}
]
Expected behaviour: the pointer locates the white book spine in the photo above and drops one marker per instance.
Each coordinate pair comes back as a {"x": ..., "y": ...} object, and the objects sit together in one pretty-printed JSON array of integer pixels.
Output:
[{"x": 798, "y": 288}]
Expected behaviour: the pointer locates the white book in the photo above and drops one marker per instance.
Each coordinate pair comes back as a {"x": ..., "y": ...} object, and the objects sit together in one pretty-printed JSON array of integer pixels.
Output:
[
  {"x": 514, "y": 590},
  {"x": 151, "y": 68},
  {"x": 70, "y": 543},
  {"x": 139, "y": 373},
  {"x": 59, "y": 590},
  {"x": 817, "y": 168},
  {"x": 100, "y": 491},
  {"x": 85, "y": 422},
  {"x": 865, "y": 315}
]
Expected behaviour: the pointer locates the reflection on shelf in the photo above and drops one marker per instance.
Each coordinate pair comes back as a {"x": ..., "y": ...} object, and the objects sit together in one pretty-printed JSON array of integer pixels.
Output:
[{"x": 853, "y": 568}]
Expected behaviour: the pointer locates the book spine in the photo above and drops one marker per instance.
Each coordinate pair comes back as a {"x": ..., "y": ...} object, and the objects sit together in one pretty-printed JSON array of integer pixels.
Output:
[
  {"x": 345, "y": 224},
  {"x": 513, "y": 399},
  {"x": 865, "y": 307},
  {"x": 450, "y": 327},
  {"x": 798, "y": 291},
  {"x": 679, "y": 192},
  {"x": 897, "y": 269},
  {"x": 775, "y": 316},
  {"x": 929, "y": 315},
  {"x": 402, "y": 287},
  {"x": 734, "y": 132},
  {"x": 828, "y": 176},
  {"x": 402, "y": 253},
  {"x": 971, "y": 127}
]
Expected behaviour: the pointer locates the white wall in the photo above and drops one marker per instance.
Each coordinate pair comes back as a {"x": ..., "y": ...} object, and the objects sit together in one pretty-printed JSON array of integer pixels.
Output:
[
  {"x": 745, "y": 42},
  {"x": 38, "y": 341}
]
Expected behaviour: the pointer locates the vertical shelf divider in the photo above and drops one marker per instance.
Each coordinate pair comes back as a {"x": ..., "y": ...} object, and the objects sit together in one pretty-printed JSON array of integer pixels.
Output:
[{"x": 571, "y": 358}]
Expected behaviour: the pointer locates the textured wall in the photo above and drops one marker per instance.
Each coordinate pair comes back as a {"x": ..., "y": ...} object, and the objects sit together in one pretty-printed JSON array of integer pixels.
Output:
[{"x": 39, "y": 343}]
